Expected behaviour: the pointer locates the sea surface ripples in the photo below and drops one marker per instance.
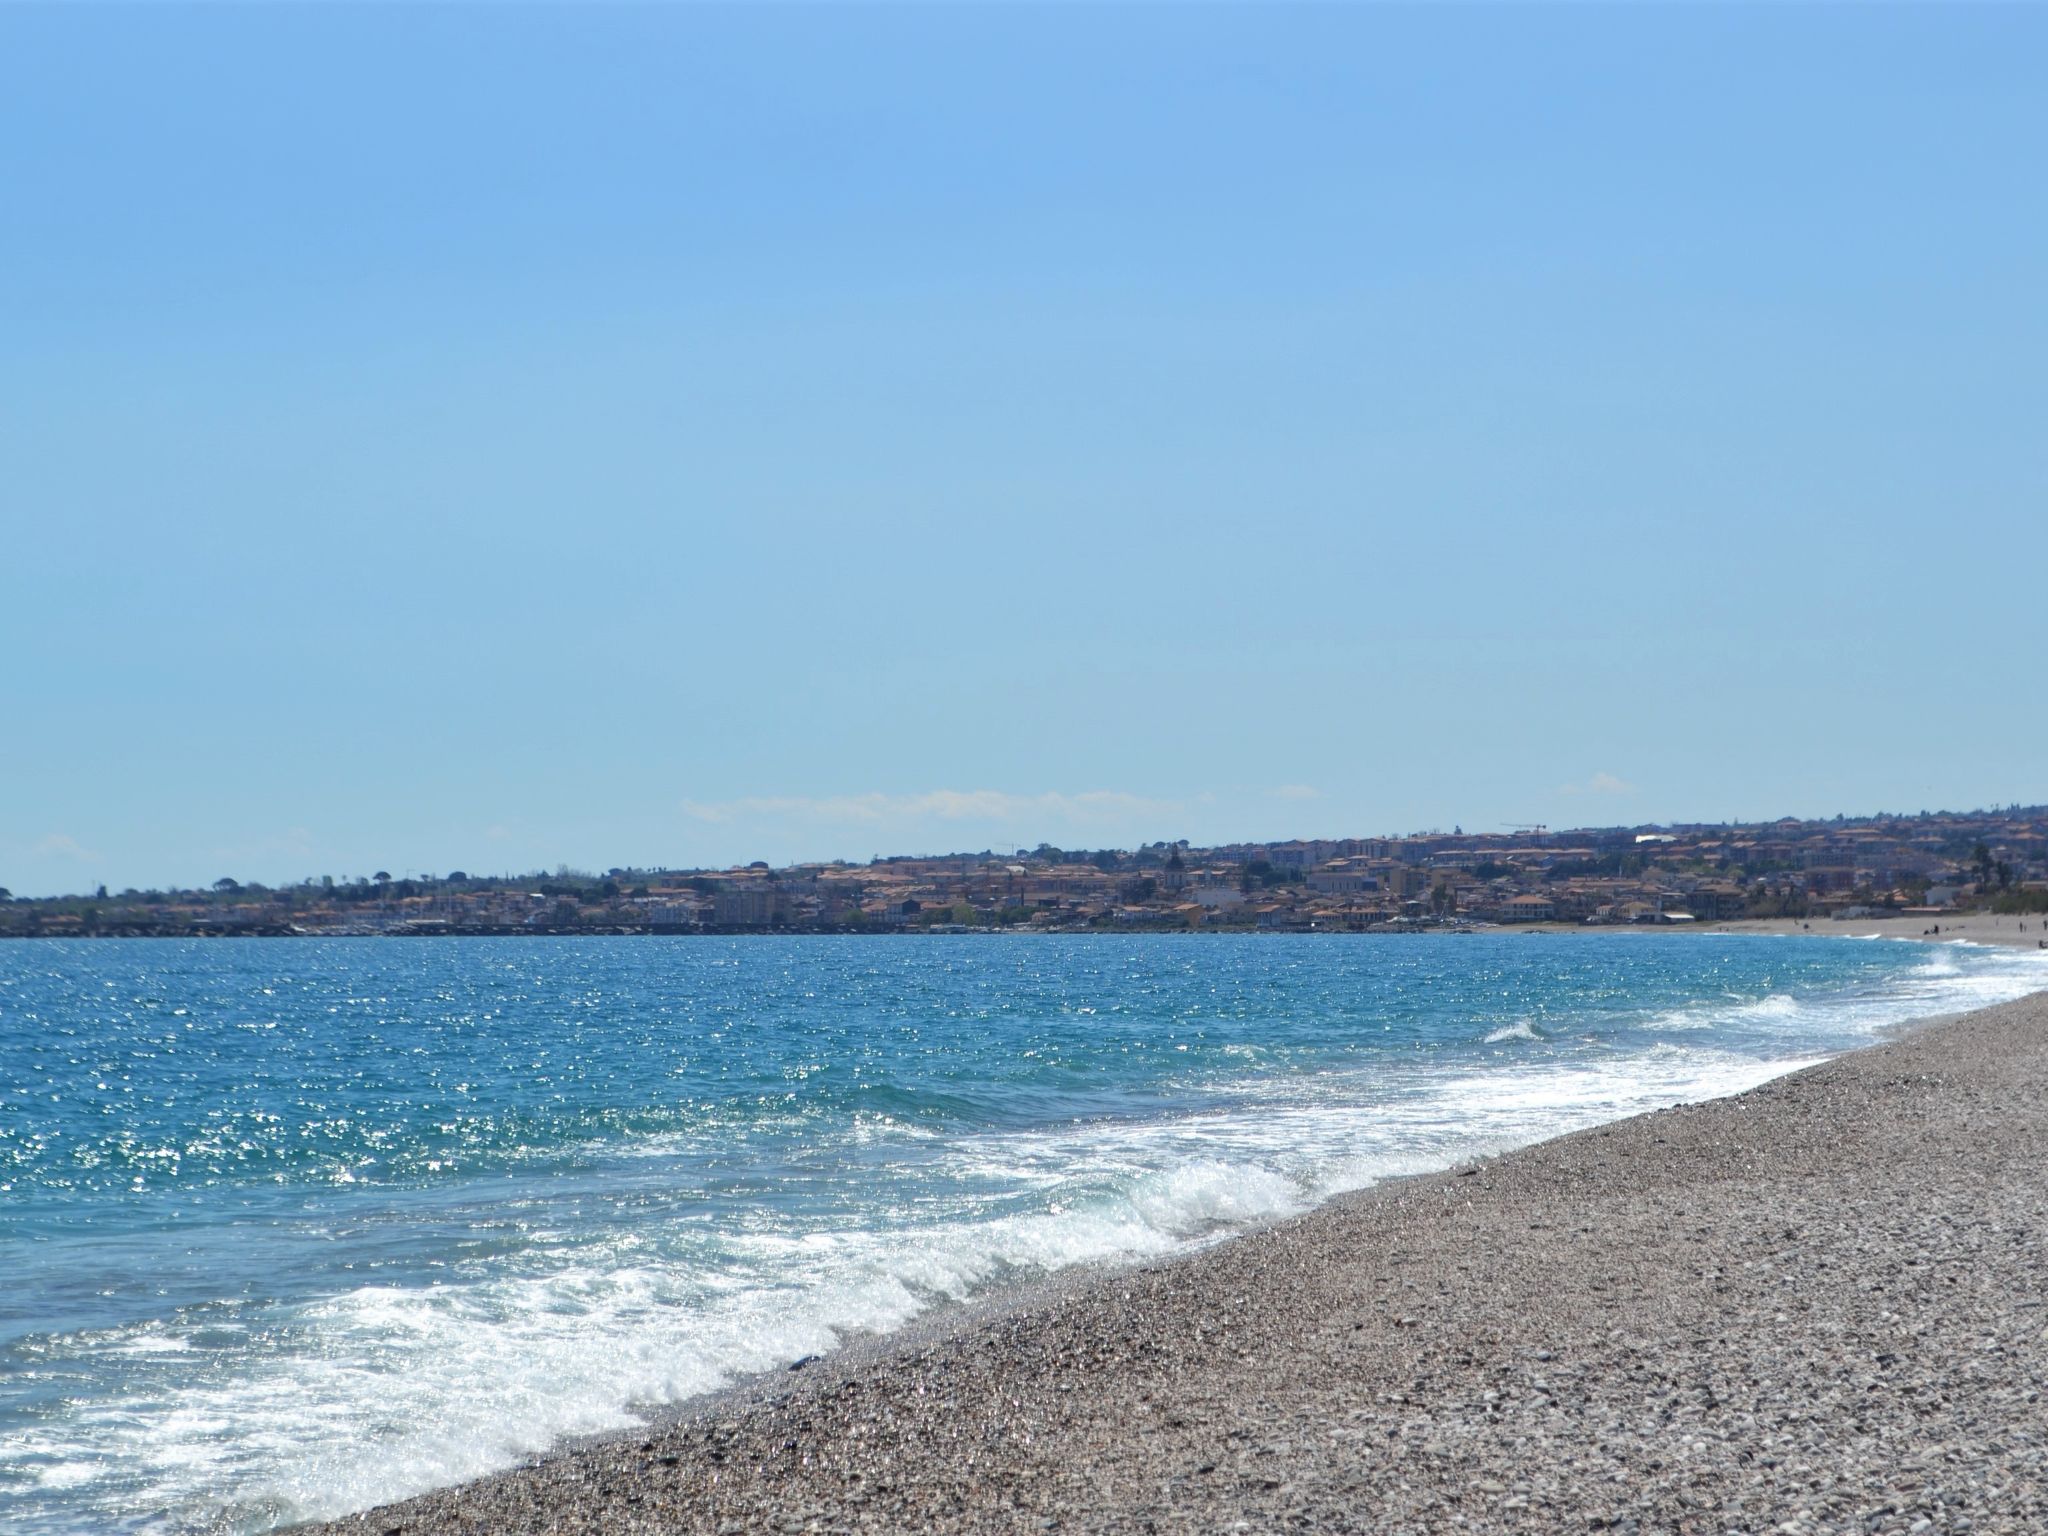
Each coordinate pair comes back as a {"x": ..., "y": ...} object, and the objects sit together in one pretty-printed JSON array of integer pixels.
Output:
[{"x": 294, "y": 1227}]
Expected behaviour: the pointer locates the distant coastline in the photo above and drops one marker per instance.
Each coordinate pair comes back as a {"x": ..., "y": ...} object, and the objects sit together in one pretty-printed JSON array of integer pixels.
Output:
[
  {"x": 1923, "y": 869},
  {"x": 1977, "y": 927}
]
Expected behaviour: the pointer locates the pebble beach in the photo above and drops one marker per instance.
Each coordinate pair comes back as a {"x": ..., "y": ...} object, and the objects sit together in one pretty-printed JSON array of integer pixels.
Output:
[{"x": 1815, "y": 1307}]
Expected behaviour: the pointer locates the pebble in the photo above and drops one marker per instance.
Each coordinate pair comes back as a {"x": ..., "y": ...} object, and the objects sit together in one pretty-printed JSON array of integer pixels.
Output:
[{"x": 1808, "y": 1310}]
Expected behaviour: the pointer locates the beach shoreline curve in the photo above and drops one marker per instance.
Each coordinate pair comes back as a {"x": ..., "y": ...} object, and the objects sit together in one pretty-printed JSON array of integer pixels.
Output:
[{"x": 1780, "y": 1306}]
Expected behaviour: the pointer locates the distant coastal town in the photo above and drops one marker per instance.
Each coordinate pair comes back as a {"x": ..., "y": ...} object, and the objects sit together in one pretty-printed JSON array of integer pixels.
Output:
[{"x": 1848, "y": 867}]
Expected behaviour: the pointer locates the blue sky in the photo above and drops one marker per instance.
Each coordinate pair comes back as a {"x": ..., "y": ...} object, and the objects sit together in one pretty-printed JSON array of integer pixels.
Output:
[{"x": 501, "y": 437}]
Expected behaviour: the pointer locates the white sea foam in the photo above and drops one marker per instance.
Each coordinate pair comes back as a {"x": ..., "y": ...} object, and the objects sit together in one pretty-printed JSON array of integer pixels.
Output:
[
  {"x": 68, "y": 1474},
  {"x": 1939, "y": 985},
  {"x": 385, "y": 1390},
  {"x": 449, "y": 1381}
]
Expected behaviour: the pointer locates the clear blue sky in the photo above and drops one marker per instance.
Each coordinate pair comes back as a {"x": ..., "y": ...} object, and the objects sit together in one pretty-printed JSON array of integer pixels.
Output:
[{"x": 492, "y": 438}]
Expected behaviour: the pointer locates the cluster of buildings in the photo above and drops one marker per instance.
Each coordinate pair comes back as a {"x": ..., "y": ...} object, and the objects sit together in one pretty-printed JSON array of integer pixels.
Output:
[{"x": 1929, "y": 862}]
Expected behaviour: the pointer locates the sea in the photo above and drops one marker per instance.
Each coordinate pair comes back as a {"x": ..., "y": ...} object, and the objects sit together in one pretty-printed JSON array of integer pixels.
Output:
[{"x": 292, "y": 1227}]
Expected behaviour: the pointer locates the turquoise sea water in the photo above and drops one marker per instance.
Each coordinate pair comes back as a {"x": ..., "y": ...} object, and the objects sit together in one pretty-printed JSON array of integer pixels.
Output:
[{"x": 292, "y": 1227}]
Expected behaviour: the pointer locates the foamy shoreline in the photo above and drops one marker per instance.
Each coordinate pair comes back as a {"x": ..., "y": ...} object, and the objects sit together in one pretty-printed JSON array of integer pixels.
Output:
[
  {"x": 1817, "y": 1302},
  {"x": 1967, "y": 927},
  {"x": 2029, "y": 932}
]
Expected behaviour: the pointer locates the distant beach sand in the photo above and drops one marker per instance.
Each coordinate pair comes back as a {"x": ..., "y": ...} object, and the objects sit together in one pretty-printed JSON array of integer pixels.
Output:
[
  {"x": 1815, "y": 1307},
  {"x": 1978, "y": 927}
]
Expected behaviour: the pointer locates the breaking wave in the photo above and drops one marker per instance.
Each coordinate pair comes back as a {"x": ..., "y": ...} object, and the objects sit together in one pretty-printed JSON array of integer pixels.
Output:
[{"x": 574, "y": 1274}]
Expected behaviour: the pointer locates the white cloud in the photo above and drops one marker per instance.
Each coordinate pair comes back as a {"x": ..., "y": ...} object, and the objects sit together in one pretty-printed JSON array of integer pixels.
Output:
[
  {"x": 876, "y": 808},
  {"x": 61, "y": 845},
  {"x": 1600, "y": 784},
  {"x": 1296, "y": 792}
]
